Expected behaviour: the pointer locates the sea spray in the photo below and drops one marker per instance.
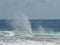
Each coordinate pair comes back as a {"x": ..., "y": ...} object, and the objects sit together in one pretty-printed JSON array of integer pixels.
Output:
[
  {"x": 41, "y": 29},
  {"x": 44, "y": 31},
  {"x": 22, "y": 25},
  {"x": 11, "y": 10}
]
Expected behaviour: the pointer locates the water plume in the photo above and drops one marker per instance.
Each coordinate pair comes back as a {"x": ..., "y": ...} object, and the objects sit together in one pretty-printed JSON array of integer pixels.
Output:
[
  {"x": 45, "y": 31},
  {"x": 21, "y": 25}
]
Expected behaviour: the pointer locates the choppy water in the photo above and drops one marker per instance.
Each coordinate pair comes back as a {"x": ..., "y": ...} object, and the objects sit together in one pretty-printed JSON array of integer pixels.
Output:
[
  {"x": 38, "y": 27},
  {"x": 49, "y": 25}
]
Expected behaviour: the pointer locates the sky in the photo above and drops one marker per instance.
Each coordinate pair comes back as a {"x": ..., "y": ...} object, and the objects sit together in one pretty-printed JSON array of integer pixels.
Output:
[{"x": 33, "y": 9}]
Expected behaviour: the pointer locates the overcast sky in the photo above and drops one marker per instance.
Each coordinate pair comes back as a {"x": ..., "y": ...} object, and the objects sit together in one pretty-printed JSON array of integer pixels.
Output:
[{"x": 33, "y": 9}]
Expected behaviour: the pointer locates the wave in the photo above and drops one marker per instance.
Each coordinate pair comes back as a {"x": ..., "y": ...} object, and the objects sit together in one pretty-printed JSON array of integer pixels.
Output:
[{"x": 27, "y": 40}]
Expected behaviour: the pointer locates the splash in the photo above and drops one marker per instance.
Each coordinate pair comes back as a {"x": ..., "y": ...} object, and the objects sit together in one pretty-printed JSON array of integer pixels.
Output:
[
  {"x": 22, "y": 25},
  {"x": 45, "y": 31},
  {"x": 41, "y": 29},
  {"x": 12, "y": 10}
]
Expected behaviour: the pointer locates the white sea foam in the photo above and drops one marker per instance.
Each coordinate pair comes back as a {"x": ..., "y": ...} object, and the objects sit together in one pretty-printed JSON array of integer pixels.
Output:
[
  {"x": 28, "y": 42},
  {"x": 7, "y": 33}
]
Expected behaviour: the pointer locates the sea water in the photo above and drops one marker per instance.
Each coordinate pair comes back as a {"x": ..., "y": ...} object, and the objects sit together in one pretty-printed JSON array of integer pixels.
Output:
[{"x": 39, "y": 27}]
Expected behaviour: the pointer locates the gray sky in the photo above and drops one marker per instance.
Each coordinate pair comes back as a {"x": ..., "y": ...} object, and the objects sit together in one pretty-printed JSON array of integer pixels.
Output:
[{"x": 34, "y": 9}]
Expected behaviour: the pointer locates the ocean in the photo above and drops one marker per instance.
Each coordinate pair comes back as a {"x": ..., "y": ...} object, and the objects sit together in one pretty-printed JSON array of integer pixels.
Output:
[
  {"x": 44, "y": 32},
  {"x": 48, "y": 25}
]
